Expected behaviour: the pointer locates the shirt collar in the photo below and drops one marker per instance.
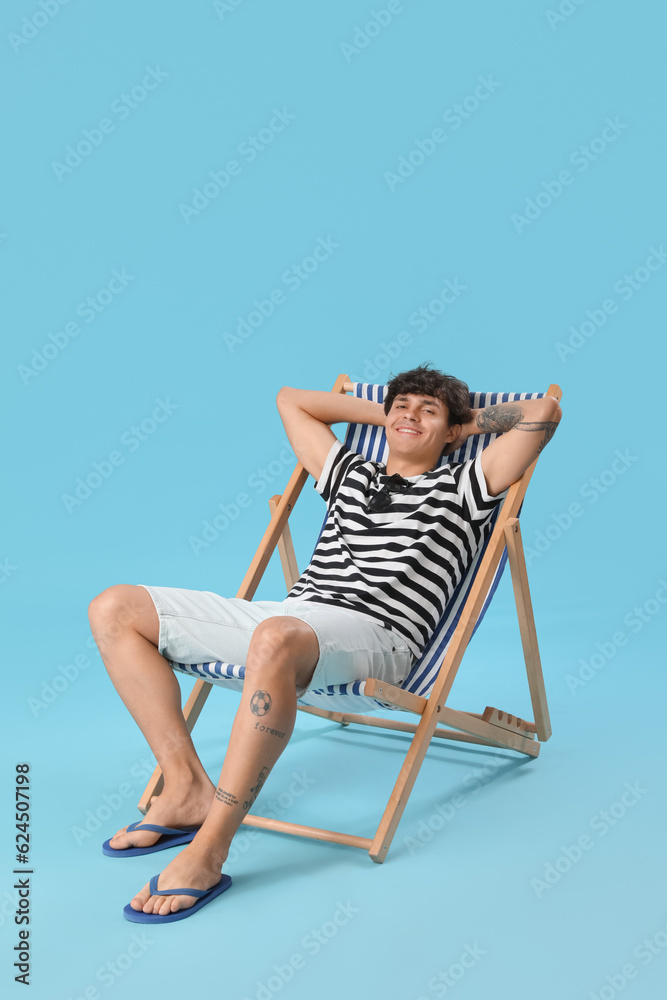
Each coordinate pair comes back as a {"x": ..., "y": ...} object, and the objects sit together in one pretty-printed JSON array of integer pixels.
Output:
[{"x": 382, "y": 477}]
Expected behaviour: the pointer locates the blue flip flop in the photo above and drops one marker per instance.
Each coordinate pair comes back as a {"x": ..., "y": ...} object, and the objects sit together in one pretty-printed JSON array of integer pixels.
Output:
[
  {"x": 204, "y": 896},
  {"x": 171, "y": 837}
]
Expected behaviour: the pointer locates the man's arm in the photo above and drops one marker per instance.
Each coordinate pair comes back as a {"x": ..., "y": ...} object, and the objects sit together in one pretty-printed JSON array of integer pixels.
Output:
[
  {"x": 526, "y": 427},
  {"x": 307, "y": 413}
]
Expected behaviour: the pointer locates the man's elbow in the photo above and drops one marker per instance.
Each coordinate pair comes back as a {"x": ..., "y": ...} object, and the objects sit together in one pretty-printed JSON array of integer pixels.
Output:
[{"x": 553, "y": 412}]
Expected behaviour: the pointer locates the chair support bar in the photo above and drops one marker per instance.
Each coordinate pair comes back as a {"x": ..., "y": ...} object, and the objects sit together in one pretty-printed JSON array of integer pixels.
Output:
[
  {"x": 282, "y": 826},
  {"x": 401, "y": 727}
]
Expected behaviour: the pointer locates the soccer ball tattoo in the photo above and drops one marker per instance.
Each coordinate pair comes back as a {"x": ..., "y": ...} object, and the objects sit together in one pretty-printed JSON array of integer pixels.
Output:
[{"x": 260, "y": 703}]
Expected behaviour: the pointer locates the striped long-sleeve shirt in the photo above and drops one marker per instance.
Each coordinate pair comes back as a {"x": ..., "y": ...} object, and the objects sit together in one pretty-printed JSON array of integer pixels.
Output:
[{"x": 398, "y": 567}]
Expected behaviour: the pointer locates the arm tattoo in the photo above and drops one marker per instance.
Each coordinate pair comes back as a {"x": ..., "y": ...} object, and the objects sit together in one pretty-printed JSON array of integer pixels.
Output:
[
  {"x": 497, "y": 419},
  {"x": 256, "y": 789},
  {"x": 226, "y": 797},
  {"x": 549, "y": 428},
  {"x": 501, "y": 418}
]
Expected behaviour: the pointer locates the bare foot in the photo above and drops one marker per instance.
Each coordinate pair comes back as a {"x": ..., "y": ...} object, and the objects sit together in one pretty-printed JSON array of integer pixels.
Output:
[
  {"x": 193, "y": 868},
  {"x": 184, "y": 805}
]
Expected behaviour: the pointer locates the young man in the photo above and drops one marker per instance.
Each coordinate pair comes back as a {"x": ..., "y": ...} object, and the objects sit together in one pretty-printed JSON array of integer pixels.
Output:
[{"x": 396, "y": 542}]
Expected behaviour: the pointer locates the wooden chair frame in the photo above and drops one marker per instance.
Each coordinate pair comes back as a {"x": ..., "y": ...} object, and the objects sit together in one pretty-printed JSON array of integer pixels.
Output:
[{"x": 492, "y": 727}]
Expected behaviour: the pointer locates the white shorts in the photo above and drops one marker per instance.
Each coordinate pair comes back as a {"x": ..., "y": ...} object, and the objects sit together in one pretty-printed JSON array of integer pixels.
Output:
[{"x": 198, "y": 626}]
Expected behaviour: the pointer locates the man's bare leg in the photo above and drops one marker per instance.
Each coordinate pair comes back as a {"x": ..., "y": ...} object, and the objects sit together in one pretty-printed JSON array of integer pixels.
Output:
[
  {"x": 282, "y": 655},
  {"x": 125, "y": 626}
]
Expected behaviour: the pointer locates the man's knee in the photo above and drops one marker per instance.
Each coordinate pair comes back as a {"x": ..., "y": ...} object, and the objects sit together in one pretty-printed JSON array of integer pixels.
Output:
[
  {"x": 282, "y": 639},
  {"x": 118, "y": 608}
]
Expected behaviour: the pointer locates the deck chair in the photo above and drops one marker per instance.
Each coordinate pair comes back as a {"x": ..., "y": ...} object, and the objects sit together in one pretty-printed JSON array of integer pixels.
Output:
[{"x": 425, "y": 691}]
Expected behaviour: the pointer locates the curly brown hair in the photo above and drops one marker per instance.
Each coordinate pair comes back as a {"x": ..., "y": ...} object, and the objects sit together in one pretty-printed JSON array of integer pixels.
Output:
[{"x": 431, "y": 382}]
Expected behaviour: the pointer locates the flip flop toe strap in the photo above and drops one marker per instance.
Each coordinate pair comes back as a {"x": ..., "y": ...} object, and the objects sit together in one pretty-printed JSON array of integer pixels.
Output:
[
  {"x": 153, "y": 827},
  {"x": 174, "y": 892}
]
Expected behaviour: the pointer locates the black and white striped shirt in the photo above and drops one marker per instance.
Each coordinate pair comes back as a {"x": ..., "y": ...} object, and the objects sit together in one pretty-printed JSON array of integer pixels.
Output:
[{"x": 400, "y": 567}]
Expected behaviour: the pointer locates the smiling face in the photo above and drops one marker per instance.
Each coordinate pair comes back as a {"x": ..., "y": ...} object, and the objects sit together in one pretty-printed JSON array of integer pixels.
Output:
[{"x": 417, "y": 431}]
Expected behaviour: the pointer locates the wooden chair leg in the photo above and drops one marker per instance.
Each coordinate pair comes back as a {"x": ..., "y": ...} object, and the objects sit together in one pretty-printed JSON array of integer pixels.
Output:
[
  {"x": 286, "y": 549},
  {"x": 524, "y": 609}
]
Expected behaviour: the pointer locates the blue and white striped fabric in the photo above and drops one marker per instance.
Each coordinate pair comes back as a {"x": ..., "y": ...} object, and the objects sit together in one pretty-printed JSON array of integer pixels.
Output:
[{"x": 370, "y": 441}]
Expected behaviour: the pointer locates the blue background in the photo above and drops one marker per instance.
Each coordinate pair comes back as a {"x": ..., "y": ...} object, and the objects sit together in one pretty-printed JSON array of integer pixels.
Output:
[{"x": 536, "y": 257}]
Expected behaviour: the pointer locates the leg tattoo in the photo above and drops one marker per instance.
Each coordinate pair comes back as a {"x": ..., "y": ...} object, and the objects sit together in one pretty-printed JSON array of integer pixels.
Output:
[
  {"x": 256, "y": 789},
  {"x": 227, "y": 797},
  {"x": 260, "y": 703}
]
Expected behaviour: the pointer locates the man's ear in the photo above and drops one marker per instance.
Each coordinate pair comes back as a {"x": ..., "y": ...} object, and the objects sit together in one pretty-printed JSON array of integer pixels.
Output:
[{"x": 453, "y": 433}]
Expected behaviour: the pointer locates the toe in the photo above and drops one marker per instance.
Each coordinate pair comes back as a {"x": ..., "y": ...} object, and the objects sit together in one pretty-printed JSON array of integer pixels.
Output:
[
  {"x": 182, "y": 902},
  {"x": 118, "y": 839},
  {"x": 140, "y": 900},
  {"x": 171, "y": 904},
  {"x": 135, "y": 838}
]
